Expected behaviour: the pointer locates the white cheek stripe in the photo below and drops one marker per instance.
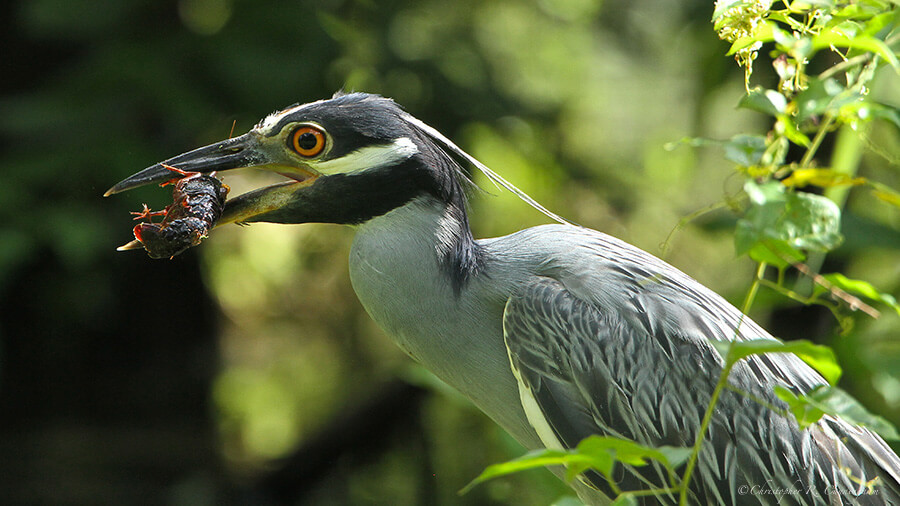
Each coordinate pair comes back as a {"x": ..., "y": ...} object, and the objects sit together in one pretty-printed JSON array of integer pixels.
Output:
[{"x": 369, "y": 157}]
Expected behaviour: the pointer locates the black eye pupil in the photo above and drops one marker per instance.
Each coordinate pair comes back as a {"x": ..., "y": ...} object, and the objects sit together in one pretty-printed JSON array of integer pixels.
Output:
[{"x": 307, "y": 141}]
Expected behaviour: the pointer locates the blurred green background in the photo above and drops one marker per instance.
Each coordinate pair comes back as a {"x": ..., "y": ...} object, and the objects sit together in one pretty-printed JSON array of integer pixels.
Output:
[{"x": 245, "y": 371}]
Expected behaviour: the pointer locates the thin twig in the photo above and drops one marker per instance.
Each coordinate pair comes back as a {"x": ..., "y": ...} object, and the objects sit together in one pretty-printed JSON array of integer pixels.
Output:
[{"x": 836, "y": 292}]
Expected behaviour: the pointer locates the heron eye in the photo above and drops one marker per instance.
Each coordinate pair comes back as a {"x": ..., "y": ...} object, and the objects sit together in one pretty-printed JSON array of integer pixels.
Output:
[{"x": 308, "y": 141}]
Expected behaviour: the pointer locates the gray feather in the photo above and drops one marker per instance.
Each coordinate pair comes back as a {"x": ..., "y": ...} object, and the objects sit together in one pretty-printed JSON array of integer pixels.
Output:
[{"x": 614, "y": 341}]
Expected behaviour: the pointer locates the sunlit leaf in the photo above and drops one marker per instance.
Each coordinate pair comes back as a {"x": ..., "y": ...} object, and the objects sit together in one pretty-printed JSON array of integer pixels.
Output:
[
  {"x": 890, "y": 197},
  {"x": 836, "y": 38},
  {"x": 567, "y": 500},
  {"x": 786, "y": 125},
  {"x": 598, "y": 453},
  {"x": 765, "y": 101},
  {"x": 745, "y": 150},
  {"x": 600, "y": 461},
  {"x": 823, "y": 178},
  {"x": 759, "y": 194},
  {"x": 885, "y": 112},
  {"x": 811, "y": 222},
  {"x": 797, "y": 46},
  {"x": 801, "y": 221},
  {"x": 694, "y": 142},
  {"x": 632, "y": 453},
  {"x": 817, "y": 98},
  {"x": 830, "y": 400},
  {"x": 879, "y": 22},
  {"x": 625, "y": 500},
  {"x": 776, "y": 252},
  {"x": 803, "y": 5},
  {"x": 806, "y": 412},
  {"x": 762, "y": 34},
  {"x": 531, "y": 460},
  {"x": 722, "y": 6},
  {"x": 820, "y": 358}
]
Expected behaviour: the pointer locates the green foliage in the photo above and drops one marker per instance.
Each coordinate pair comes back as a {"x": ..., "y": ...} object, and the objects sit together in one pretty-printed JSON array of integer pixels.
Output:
[
  {"x": 857, "y": 287},
  {"x": 820, "y": 358},
  {"x": 830, "y": 400},
  {"x": 782, "y": 225},
  {"x": 601, "y": 453},
  {"x": 779, "y": 224},
  {"x": 596, "y": 453},
  {"x": 569, "y": 99}
]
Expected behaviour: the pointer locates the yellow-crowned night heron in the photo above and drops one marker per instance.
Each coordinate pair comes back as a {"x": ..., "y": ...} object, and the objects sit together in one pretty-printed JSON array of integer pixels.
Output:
[{"x": 556, "y": 332}]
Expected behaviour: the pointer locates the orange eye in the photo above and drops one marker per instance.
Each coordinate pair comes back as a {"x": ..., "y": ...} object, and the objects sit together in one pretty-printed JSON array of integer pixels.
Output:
[{"x": 308, "y": 141}]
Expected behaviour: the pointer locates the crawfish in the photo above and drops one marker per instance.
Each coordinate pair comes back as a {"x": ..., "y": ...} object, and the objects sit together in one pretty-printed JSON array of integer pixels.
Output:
[{"x": 197, "y": 203}]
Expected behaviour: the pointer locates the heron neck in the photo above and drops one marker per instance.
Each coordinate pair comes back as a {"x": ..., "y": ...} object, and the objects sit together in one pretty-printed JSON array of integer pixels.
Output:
[{"x": 429, "y": 225}]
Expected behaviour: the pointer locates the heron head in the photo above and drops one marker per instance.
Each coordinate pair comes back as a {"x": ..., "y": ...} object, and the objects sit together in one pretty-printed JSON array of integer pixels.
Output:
[{"x": 347, "y": 159}]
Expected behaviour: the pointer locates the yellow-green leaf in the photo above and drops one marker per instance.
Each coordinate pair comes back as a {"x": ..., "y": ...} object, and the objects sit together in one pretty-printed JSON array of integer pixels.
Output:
[
  {"x": 820, "y": 358},
  {"x": 823, "y": 178},
  {"x": 890, "y": 197},
  {"x": 835, "y": 38},
  {"x": 862, "y": 288},
  {"x": 531, "y": 460},
  {"x": 830, "y": 400}
]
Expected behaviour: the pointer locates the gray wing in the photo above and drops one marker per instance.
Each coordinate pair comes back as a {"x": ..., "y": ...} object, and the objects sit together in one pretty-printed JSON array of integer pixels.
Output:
[{"x": 636, "y": 363}]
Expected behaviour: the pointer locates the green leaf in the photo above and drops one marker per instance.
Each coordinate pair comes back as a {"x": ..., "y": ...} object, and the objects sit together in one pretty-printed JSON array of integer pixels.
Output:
[
  {"x": 723, "y": 6},
  {"x": 887, "y": 195},
  {"x": 625, "y": 500},
  {"x": 805, "y": 5},
  {"x": 531, "y": 460},
  {"x": 599, "y": 453},
  {"x": 771, "y": 251},
  {"x": 806, "y": 412},
  {"x": 567, "y": 500},
  {"x": 820, "y": 358},
  {"x": 867, "y": 111},
  {"x": 765, "y": 101},
  {"x": 817, "y": 98},
  {"x": 787, "y": 127},
  {"x": 602, "y": 462},
  {"x": 762, "y": 34},
  {"x": 858, "y": 287},
  {"x": 830, "y": 400},
  {"x": 811, "y": 222},
  {"x": 797, "y": 47},
  {"x": 746, "y": 150},
  {"x": 837, "y": 38},
  {"x": 837, "y": 402},
  {"x": 884, "y": 21},
  {"x": 759, "y": 194},
  {"x": 779, "y": 224},
  {"x": 675, "y": 455},
  {"x": 823, "y": 178},
  {"x": 632, "y": 453}
]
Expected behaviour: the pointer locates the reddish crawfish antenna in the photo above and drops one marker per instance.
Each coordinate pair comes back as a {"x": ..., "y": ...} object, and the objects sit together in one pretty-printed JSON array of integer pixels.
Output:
[
  {"x": 232, "y": 128},
  {"x": 176, "y": 170},
  {"x": 146, "y": 213}
]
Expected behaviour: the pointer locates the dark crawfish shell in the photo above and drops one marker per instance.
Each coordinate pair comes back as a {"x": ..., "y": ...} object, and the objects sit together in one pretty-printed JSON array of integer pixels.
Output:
[{"x": 198, "y": 204}]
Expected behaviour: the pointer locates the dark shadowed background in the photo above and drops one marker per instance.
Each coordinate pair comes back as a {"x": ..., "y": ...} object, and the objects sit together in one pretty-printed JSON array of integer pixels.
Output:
[{"x": 244, "y": 371}]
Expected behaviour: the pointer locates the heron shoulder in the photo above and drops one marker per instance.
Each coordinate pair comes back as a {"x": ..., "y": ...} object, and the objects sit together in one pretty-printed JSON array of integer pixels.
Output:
[{"x": 642, "y": 292}]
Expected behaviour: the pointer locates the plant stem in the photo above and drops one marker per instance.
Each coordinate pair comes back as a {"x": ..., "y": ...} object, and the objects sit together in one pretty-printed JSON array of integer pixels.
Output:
[
  {"x": 827, "y": 120},
  {"x": 704, "y": 425},
  {"x": 652, "y": 491},
  {"x": 721, "y": 385},
  {"x": 754, "y": 287}
]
